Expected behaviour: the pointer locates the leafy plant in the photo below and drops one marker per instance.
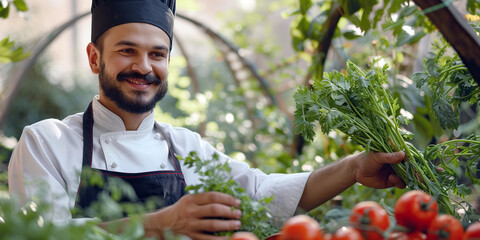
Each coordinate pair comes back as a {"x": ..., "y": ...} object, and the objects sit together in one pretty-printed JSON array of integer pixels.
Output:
[
  {"x": 109, "y": 206},
  {"x": 358, "y": 105},
  {"x": 8, "y": 53},
  {"x": 255, "y": 217},
  {"x": 458, "y": 158},
  {"x": 5, "y": 7},
  {"x": 38, "y": 98},
  {"x": 448, "y": 83}
]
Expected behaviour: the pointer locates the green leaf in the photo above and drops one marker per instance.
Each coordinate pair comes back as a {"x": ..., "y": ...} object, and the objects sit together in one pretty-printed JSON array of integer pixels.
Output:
[
  {"x": 9, "y": 54},
  {"x": 447, "y": 116},
  {"x": 365, "y": 22},
  {"x": 351, "y": 35},
  {"x": 4, "y": 11},
  {"x": 20, "y": 5},
  {"x": 395, "y": 6},
  {"x": 463, "y": 190},
  {"x": 350, "y": 6},
  {"x": 420, "y": 79},
  {"x": 304, "y": 25},
  {"x": 297, "y": 34},
  {"x": 407, "y": 38},
  {"x": 432, "y": 68},
  {"x": 305, "y": 5},
  {"x": 472, "y": 6},
  {"x": 424, "y": 126}
]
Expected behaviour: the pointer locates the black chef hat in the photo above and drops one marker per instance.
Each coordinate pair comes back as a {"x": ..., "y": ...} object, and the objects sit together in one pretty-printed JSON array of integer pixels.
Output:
[{"x": 110, "y": 13}]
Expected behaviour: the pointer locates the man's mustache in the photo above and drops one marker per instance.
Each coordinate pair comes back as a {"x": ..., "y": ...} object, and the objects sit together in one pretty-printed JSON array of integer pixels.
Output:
[{"x": 150, "y": 78}]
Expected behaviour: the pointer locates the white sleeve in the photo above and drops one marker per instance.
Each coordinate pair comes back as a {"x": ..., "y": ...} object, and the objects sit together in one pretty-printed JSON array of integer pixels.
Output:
[{"x": 32, "y": 175}]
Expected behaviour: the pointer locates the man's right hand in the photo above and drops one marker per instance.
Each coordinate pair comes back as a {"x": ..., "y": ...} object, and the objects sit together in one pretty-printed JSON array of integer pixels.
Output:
[{"x": 197, "y": 215}]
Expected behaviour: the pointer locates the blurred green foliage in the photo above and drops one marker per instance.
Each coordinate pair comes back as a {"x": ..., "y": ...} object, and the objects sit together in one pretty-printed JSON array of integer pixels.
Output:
[
  {"x": 38, "y": 98},
  {"x": 30, "y": 221}
]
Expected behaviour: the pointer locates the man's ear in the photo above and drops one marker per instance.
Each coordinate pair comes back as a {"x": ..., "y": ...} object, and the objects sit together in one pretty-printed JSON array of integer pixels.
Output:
[{"x": 93, "y": 58}]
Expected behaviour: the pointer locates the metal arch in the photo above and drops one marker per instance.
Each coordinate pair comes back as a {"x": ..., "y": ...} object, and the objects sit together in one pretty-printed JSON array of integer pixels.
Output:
[{"x": 253, "y": 70}]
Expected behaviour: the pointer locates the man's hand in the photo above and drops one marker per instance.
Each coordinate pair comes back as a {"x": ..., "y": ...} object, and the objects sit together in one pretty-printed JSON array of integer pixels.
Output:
[
  {"x": 374, "y": 170},
  {"x": 195, "y": 215}
]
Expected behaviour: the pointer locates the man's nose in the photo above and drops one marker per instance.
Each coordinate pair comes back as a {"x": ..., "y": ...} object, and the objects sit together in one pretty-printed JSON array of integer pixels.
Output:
[{"x": 142, "y": 65}]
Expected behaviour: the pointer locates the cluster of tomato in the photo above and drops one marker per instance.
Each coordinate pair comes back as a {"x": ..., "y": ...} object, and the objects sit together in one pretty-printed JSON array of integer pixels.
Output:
[{"x": 416, "y": 215}]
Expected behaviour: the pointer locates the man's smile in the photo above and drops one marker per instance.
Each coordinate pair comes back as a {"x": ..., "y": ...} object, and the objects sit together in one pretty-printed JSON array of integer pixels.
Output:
[{"x": 138, "y": 81}]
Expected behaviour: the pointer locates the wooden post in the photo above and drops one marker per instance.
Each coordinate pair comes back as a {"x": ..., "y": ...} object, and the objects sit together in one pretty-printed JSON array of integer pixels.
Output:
[{"x": 452, "y": 24}]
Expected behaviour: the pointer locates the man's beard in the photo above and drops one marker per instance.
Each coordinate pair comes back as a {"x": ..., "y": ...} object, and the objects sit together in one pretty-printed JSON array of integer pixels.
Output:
[{"x": 138, "y": 104}]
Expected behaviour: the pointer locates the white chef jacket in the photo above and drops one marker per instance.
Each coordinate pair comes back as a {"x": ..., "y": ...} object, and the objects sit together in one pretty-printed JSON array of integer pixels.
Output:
[{"x": 47, "y": 161}]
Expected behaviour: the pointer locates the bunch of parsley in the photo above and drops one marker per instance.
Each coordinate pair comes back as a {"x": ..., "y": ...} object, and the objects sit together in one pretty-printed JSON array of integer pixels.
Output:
[
  {"x": 216, "y": 177},
  {"x": 358, "y": 105}
]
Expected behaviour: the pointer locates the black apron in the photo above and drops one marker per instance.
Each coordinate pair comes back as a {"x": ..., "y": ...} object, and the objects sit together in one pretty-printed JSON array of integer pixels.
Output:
[{"x": 168, "y": 186}]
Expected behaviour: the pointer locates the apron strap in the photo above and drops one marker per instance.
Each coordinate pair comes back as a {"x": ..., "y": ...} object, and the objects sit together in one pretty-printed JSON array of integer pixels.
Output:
[
  {"x": 87, "y": 144},
  {"x": 170, "y": 149},
  {"x": 87, "y": 136}
]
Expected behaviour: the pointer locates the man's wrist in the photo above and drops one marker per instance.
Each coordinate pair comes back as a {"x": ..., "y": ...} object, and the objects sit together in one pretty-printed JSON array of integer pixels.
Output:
[
  {"x": 352, "y": 165},
  {"x": 153, "y": 225}
]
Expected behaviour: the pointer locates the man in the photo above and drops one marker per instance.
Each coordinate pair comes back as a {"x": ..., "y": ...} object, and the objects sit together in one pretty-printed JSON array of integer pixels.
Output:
[{"x": 117, "y": 134}]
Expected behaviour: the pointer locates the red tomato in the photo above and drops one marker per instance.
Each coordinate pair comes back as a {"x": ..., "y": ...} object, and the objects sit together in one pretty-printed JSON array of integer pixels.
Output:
[
  {"x": 347, "y": 233},
  {"x": 275, "y": 236},
  {"x": 243, "y": 236},
  {"x": 472, "y": 232},
  {"x": 301, "y": 227},
  {"x": 370, "y": 219},
  {"x": 327, "y": 236},
  {"x": 415, "y": 210},
  {"x": 407, "y": 236},
  {"x": 445, "y": 227}
]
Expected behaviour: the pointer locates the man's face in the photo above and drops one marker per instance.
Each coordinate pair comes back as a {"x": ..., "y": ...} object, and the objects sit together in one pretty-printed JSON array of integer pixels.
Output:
[{"x": 133, "y": 67}]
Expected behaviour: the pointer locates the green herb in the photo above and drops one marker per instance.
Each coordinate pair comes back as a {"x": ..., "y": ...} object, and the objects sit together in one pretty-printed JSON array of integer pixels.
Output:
[
  {"x": 458, "y": 158},
  {"x": 447, "y": 82},
  {"x": 216, "y": 177},
  {"x": 358, "y": 105}
]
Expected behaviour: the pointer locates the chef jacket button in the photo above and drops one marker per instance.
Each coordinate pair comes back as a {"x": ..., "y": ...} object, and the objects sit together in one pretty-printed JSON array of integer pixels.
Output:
[
  {"x": 162, "y": 165},
  {"x": 108, "y": 140},
  {"x": 114, "y": 165},
  {"x": 158, "y": 136}
]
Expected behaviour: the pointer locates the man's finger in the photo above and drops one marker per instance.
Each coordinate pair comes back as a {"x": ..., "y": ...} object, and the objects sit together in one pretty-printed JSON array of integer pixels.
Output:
[
  {"x": 217, "y": 210},
  {"x": 218, "y": 225},
  {"x": 396, "y": 181},
  {"x": 391, "y": 158},
  {"x": 216, "y": 197}
]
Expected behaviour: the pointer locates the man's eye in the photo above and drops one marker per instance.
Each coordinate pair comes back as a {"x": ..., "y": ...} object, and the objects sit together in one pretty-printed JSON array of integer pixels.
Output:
[
  {"x": 158, "y": 55},
  {"x": 127, "y": 51}
]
